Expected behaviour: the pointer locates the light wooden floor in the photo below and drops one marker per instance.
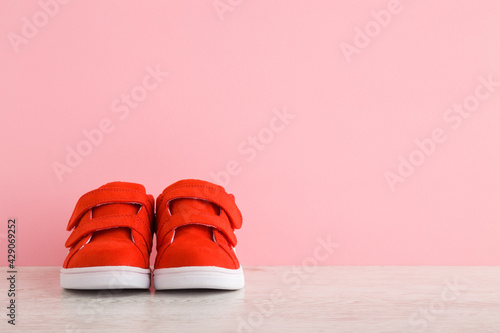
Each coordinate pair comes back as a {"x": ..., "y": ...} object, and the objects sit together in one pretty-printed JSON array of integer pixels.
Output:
[{"x": 275, "y": 299}]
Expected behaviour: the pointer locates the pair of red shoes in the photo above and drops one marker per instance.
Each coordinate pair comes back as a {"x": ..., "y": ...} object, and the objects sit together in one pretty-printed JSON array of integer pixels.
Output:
[{"x": 113, "y": 228}]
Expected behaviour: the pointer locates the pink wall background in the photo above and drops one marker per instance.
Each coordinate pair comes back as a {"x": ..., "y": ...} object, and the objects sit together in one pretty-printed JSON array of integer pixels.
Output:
[{"x": 230, "y": 64}]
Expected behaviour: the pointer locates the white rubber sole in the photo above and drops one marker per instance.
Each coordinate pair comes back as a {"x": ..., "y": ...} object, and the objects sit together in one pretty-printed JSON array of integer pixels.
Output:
[
  {"x": 198, "y": 277},
  {"x": 106, "y": 277}
]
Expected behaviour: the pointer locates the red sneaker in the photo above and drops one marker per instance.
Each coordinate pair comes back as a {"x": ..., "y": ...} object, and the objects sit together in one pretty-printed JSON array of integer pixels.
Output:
[
  {"x": 111, "y": 239},
  {"x": 195, "y": 238}
]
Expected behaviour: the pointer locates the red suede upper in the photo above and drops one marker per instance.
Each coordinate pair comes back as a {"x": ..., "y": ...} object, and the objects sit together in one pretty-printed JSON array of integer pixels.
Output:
[
  {"x": 196, "y": 221},
  {"x": 112, "y": 226}
]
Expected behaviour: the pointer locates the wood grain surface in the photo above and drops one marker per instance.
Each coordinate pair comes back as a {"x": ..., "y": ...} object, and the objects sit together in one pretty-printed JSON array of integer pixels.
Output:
[{"x": 275, "y": 299}]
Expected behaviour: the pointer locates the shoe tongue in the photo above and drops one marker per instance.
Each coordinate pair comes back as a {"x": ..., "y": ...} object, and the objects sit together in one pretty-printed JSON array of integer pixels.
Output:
[{"x": 185, "y": 205}]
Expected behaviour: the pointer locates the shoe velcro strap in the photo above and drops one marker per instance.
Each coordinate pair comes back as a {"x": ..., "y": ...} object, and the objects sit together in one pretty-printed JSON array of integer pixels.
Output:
[
  {"x": 109, "y": 195},
  {"x": 89, "y": 225},
  {"x": 205, "y": 191},
  {"x": 182, "y": 219}
]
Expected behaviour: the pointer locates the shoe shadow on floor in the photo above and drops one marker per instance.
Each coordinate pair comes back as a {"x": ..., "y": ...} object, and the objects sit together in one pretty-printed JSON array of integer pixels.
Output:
[
  {"x": 89, "y": 293},
  {"x": 194, "y": 292}
]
